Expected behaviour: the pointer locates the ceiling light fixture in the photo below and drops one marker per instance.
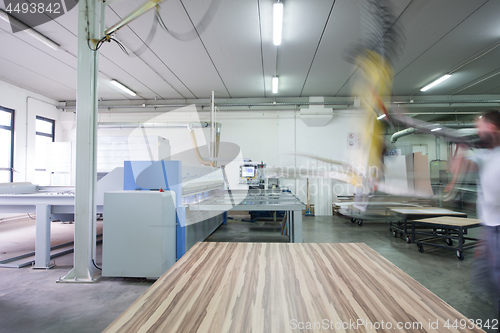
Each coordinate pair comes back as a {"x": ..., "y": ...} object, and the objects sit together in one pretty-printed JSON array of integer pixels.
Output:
[
  {"x": 277, "y": 22},
  {"x": 438, "y": 81},
  {"x": 122, "y": 87},
  {"x": 436, "y": 129},
  {"x": 381, "y": 116},
  {"x": 33, "y": 33},
  {"x": 275, "y": 85}
]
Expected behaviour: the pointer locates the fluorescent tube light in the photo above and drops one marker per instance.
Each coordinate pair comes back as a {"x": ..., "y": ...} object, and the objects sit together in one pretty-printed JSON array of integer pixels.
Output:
[
  {"x": 277, "y": 22},
  {"x": 438, "y": 81},
  {"x": 33, "y": 33},
  {"x": 381, "y": 116},
  {"x": 122, "y": 87},
  {"x": 275, "y": 85},
  {"x": 436, "y": 129}
]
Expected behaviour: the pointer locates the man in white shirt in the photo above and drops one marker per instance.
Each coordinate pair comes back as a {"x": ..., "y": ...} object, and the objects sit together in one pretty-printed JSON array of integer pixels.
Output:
[{"x": 487, "y": 162}]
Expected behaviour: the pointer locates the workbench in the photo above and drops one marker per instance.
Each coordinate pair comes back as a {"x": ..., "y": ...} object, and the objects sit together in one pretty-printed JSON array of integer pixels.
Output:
[
  {"x": 283, "y": 287},
  {"x": 257, "y": 200},
  {"x": 400, "y": 227},
  {"x": 48, "y": 206},
  {"x": 373, "y": 211},
  {"x": 448, "y": 228}
]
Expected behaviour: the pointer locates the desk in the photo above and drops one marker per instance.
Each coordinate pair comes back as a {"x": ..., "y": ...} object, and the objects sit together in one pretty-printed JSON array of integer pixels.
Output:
[
  {"x": 446, "y": 228},
  {"x": 415, "y": 213},
  {"x": 278, "y": 287}
]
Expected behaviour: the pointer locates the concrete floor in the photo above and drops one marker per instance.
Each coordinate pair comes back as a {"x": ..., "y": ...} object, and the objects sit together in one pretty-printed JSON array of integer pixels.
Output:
[{"x": 31, "y": 300}]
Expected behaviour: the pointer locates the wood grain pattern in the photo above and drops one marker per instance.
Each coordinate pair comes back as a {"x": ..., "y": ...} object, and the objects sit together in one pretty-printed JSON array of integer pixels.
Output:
[
  {"x": 450, "y": 220},
  {"x": 282, "y": 287}
]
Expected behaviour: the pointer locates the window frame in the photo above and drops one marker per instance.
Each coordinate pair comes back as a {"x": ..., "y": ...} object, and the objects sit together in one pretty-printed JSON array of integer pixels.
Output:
[
  {"x": 52, "y": 136},
  {"x": 53, "y": 122},
  {"x": 11, "y": 129}
]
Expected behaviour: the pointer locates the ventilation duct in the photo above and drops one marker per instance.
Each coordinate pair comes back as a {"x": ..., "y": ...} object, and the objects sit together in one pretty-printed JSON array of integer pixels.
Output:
[
  {"x": 317, "y": 115},
  {"x": 412, "y": 130}
]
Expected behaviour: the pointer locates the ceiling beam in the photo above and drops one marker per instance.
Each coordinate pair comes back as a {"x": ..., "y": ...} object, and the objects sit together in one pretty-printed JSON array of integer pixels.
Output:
[{"x": 464, "y": 104}]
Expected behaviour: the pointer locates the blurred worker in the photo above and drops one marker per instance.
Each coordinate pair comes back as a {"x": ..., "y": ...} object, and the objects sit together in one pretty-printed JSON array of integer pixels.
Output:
[{"x": 485, "y": 274}]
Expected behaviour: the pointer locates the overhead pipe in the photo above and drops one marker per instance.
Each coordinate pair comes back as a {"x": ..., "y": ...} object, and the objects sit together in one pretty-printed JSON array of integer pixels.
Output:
[
  {"x": 152, "y": 125},
  {"x": 132, "y": 16},
  {"x": 412, "y": 130},
  {"x": 402, "y": 133},
  {"x": 346, "y": 102},
  {"x": 217, "y": 139},
  {"x": 154, "y": 106},
  {"x": 438, "y": 148}
]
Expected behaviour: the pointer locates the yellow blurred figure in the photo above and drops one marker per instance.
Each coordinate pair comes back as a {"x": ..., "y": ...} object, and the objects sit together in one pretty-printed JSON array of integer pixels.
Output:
[{"x": 373, "y": 86}]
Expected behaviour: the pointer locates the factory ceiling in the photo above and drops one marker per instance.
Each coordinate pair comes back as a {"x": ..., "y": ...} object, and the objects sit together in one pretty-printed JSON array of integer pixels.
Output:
[{"x": 226, "y": 46}]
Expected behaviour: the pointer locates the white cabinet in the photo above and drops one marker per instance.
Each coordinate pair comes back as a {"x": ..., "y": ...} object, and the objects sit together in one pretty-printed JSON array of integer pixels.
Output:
[{"x": 139, "y": 233}]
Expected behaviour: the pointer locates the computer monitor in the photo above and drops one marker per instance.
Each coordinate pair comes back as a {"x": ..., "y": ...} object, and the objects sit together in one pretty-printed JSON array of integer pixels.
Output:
[{"x": 247, "y": 171}]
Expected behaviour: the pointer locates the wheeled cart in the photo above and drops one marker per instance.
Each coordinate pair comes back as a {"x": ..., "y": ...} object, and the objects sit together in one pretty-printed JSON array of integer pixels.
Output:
[
  {"x": 445, "y": 232},
  {"x": 415, "y": 213}
]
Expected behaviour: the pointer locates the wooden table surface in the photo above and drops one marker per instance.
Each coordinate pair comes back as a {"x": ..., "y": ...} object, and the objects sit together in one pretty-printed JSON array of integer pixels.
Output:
[
  {"x": 451, "y": 220},
  {"x": 271, "y": 287}
]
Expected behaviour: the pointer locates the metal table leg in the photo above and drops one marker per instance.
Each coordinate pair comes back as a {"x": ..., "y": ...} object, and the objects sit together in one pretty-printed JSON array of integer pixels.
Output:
[
  {"x": 42, "y": 240},
  {"x": 297, "y": 226}
]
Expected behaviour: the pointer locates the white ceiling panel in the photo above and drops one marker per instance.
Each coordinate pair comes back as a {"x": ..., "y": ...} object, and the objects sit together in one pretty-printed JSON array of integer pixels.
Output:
[
  {"x": 188, "y": 60},
  {"x": 231, "y": 39},
  {"x": 269, "y": 50},
  {"x": 25, "y": 78},
  {"x": 330, "y": 69},
  {"x": 303, "y": 28},
  {"x": 454, "y": 41},
  {"x": 226, "y": 46}
]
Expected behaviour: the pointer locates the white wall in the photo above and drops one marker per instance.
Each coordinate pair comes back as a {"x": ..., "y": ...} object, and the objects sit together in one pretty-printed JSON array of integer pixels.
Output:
[
  {"x": 278, "y": 139},
  {"x": 27, "y": 105},
  {"x": 272, "y": 137}
]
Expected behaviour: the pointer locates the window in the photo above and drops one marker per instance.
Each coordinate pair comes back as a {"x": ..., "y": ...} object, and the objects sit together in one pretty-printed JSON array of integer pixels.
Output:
[
  {"x": 45, "y": 133},
  {"x": 7, "y": 145}
]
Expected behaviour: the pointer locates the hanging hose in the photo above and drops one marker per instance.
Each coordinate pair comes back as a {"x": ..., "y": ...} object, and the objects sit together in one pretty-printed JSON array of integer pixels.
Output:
[{"x": 196, "y": 150}]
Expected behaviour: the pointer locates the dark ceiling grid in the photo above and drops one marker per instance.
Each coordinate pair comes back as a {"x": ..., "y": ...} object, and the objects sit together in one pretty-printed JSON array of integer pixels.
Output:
[
  {"x": 206, "y": 50},
  {"x": 317, "y": 47},
  {"x": 374, "y": 46},
  {"x": 149, "y": 48},
  {"x": 435, "y": 43},
  {"x": 261, "y": 49}
]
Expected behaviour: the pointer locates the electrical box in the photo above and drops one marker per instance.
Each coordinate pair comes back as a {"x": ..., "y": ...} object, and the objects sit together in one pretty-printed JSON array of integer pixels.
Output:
[{"x": 439, "y": 172}]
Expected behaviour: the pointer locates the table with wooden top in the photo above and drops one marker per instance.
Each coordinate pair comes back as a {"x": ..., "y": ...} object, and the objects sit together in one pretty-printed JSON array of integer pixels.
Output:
[
  {"x": 451, "y": 229},
  {"x": 287, "y": 287},
  {"x": 414, "y": 213}
]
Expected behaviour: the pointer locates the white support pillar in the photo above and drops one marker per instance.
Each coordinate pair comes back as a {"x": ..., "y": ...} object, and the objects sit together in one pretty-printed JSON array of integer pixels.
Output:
[{"x": 86, "y": 143}]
